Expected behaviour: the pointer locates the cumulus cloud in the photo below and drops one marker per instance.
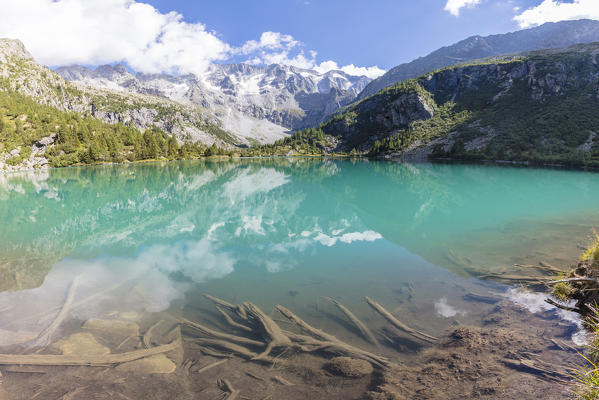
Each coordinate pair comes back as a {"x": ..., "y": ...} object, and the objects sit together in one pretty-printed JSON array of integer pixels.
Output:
[
  {"x": 269, "y": 40},
  {"x": 277, "y": 48},
  {"x": 554, "y": 10},
  {"x": 94, "y": 32},
  {"x": 366, "y": 236},
  {"x": 105, "y": 31},
  {"x": 371, "y": 72},
  {"x": 454, "y": 6}
]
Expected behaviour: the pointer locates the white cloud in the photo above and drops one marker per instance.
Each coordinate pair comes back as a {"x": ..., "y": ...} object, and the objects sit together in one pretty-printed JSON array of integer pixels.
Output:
[
  {"x": 454, "y": 6},
  {"x": 366, "y": 236},
  {"x": 445, "y": 310},
  {"x": 104, "y": 31},
  {"x": 553, "y": 11},
  {"x": 277, "y": 48},
  {"x": 299, "y": 60},
  {"x": 94, "y": 32},
  {"x": 269, "y": 40},
  {"x": 371, "y": 72}
]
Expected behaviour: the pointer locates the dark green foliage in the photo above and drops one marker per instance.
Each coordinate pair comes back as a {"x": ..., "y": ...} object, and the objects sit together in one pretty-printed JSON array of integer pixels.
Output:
[
  {"x": 83, "y": 140},
  {"x": 311, "y": 141}
]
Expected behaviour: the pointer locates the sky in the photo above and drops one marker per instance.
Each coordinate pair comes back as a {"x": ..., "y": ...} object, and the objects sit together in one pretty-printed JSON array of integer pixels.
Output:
[{"x": 182, "y": 36}]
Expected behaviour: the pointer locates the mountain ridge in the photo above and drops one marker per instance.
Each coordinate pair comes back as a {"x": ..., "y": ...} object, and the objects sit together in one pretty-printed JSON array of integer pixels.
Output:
[
  {"x": 246, "y": 98},
  {"x": 549, "y": 35}
]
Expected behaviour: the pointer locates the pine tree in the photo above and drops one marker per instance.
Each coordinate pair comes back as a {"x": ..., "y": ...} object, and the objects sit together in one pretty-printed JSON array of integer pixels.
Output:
[{"x": 173, "y": 148}]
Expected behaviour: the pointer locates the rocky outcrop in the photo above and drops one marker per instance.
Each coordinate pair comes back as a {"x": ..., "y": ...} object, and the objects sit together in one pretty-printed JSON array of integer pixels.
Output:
[
  {"x": 11, "y": 49},
  {"x": 21, "y": 159},
  {"x": 378, "y": 116}
]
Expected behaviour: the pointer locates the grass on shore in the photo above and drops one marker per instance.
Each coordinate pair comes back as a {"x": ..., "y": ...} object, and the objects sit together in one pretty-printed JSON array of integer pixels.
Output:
[
  {"x": 587, "y": 375},
  {"x": 564, "y": 290},
  {"x": 591, "y": 254}
]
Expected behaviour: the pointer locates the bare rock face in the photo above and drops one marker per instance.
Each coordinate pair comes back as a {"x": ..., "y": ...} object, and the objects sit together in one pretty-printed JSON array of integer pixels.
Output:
[
  {"x": 349, "y": 367},
  {"x": 10, "y": 48}
]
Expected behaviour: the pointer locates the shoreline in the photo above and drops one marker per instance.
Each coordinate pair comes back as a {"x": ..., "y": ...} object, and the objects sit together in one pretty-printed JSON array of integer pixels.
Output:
[
  {"x": 155, "y": 161},
  {"x": 504, "y": 163}
]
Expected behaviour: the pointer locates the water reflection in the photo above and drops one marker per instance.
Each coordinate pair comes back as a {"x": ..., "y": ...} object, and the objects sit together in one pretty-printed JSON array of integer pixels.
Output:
[
  {"x": 143, "y": 236},
  {"x": 199, "y": 218}
]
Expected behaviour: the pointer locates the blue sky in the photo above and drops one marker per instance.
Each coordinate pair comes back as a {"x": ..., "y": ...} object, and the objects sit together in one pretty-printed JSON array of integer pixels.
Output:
[
  {"x": 377, "y": 32},
  {"x": 176, "y": 36}
]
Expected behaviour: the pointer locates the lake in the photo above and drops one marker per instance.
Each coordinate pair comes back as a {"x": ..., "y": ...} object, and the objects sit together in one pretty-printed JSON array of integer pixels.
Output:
[{"x": 153, "y": 238}]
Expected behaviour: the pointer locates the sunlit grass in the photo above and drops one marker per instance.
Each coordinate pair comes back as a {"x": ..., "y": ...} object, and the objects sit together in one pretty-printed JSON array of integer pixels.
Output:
[
  {"x": 562, "y": 290},
  {"x": 591, "y": 254},
  {"x": 587, "y": 374}
]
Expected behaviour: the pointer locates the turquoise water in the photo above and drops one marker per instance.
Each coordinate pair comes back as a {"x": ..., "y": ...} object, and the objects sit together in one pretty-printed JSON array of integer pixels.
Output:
[{"x": 283, "y": 232}]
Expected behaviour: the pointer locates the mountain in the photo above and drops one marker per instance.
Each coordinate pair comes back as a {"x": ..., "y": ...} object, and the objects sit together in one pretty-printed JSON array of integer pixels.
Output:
[
  {"x": 538, "y": 106},
  {"x": 258, "y": 103},
  {"x": 547, "y": 36},
  {"x": 46, "y": 120},
  {"x": 20, "y": 73}
]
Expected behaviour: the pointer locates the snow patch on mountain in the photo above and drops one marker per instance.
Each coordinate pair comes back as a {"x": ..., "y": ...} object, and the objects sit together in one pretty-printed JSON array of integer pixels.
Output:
[{"x": 256, "y": 103}]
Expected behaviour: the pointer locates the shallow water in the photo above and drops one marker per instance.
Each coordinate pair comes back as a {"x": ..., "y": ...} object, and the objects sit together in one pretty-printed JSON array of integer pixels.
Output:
[{"x": 281, "y": 232}]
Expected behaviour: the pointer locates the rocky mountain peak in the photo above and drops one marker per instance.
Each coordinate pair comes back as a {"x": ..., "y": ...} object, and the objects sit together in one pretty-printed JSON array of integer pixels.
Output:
[
  {"x": 112, "y": 72},
  {"x": 74, "y": 72},
  {"x": 11, "y": 48},
  {"x": 246, "y": 97}
]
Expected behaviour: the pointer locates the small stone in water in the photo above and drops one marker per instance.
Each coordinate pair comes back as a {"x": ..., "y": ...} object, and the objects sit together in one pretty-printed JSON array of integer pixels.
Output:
[
  {"x": 349, "y": 367},
  {"x": 80, "y": 344},
  {"x": 158, "y": 364}
]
